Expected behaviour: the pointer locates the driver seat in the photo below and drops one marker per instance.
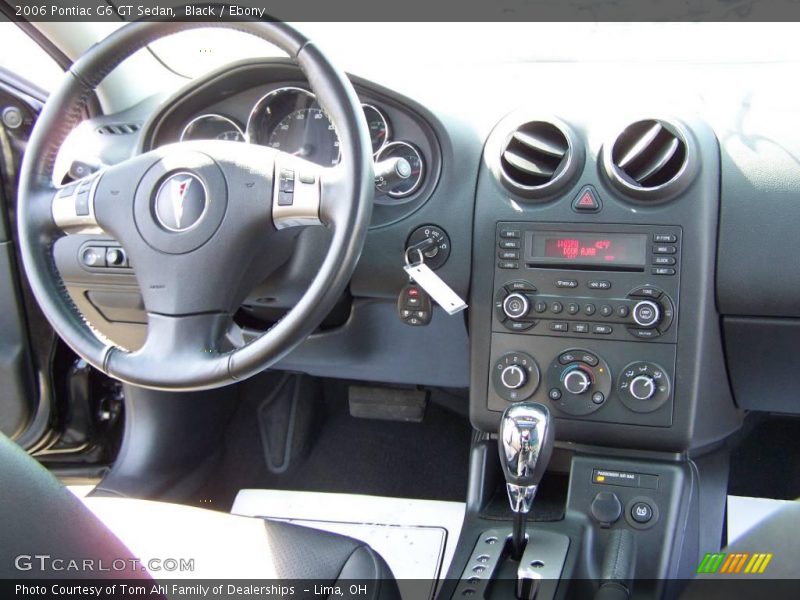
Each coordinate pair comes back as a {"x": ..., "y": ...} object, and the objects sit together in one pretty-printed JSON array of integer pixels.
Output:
[{"x": 39, "y": 516}]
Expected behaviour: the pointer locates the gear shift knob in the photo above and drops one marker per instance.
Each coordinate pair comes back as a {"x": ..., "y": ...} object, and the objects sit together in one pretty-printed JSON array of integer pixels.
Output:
[{"x": 526, "y": 444}]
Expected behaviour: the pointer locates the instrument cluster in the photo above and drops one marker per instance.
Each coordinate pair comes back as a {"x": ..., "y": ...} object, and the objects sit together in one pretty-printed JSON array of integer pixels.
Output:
[{"x": 290, "y": 119}]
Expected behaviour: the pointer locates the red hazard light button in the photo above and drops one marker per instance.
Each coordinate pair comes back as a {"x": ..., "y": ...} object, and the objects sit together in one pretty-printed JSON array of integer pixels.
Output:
[{"x": 587, "y": 200}]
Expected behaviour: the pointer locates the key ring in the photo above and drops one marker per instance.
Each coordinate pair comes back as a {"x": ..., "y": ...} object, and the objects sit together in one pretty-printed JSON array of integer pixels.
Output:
[{"x": 408, "y": 260}]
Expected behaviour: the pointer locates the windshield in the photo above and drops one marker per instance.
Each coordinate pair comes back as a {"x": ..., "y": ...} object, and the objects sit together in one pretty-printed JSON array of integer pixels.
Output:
[{"x": 365, "y": 47}]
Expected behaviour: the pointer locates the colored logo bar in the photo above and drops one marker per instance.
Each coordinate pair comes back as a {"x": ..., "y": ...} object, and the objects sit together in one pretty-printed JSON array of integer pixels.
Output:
[{"x": 738, "y": 562}]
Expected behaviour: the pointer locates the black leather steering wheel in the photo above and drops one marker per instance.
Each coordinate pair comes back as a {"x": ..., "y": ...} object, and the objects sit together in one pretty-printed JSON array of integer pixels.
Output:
[{"x": 194, "y": 218}]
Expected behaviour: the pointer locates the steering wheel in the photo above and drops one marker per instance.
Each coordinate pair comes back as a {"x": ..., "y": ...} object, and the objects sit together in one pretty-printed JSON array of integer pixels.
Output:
[{"x": 194, "y": 218}]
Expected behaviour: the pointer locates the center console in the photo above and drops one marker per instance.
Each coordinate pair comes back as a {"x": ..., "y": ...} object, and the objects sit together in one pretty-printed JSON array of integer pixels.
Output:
[
  {"x": 598, "y": 307},
  {"x": 592, "y": 295}
]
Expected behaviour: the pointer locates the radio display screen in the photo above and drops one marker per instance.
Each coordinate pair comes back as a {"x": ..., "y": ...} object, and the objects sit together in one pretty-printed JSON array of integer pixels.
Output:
[{"x": 624, "y": 251}]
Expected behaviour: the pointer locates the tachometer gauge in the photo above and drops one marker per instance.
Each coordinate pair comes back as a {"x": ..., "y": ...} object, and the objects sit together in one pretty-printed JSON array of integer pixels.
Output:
[
  {"x": 212, "y": 127},
  {"x": 290, "y": 120},
  {"x": 378, "y": 127},
  {"x": 408, "y": 186}
]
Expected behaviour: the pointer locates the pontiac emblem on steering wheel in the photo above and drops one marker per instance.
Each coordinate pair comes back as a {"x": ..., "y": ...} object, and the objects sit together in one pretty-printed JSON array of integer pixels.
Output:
[{"x": 181, "y": 202}]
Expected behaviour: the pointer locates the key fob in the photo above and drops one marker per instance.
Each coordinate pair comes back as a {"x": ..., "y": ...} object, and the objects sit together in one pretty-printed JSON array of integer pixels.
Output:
[{"x": 414, "y": 306}]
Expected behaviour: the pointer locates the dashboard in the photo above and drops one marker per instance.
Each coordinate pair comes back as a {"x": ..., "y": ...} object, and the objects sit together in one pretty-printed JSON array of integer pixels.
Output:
[{"x": 603, "y": 239}]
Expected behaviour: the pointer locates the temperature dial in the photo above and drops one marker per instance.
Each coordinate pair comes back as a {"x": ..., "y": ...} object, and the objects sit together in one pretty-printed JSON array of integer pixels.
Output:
[
  {"x": 577, "y": 381},
  {"x": 515, "y": 376},
  {"x": 643, "y": 387}
]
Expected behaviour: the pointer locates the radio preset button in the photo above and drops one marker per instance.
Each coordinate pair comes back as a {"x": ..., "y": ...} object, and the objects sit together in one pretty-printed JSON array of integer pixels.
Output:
[
  {"x": 589, "y": 309},
  {"x": 664, "y": 260},
  {"x": 599, "y": 329},
  {"x": 556, "y": 307},
  {"x": 540, "y": 306},
  {"x": 646, "y": 291},
  {"x": 519, "y": 325},
  {"x": 644, "y": 334},
  {"x": 664, "y": 249},
  {"x": 573, "y": 308},
  {"x": 665, "y": 238},
  {"x": 606, "y": 310},
  {"x": 623, "y": 311},
  {"x": 505, "y": 264},
  {"x": 520, "y": 286},
  {"x": 566, "y": 283},
  {"x": 599, "y": 285}
]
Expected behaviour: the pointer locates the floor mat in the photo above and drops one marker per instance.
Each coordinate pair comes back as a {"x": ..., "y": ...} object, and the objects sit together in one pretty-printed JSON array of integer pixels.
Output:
[
  {"x": 427, "y": 460},
  {"x": 417, "y": 538}
]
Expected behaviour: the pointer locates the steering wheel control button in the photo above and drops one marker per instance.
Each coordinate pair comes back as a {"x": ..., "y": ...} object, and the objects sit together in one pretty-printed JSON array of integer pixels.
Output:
[
  {"x": 93, "y": 257},
  {"x": 414, "y": 306},
  {"x": 587, "y": 200},
  {"x": 515, "y": 376},
  {"x": 642, "y": 512},
  {"x": 606, "y": 509},
  {"x": 115, "y": 257},
  {"x": 643, "y": 387},
  {"x": 582, "y": 380}
]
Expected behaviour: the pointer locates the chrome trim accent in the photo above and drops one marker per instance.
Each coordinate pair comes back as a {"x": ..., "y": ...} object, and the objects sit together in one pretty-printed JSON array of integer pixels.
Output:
[
  {"x": 521, "y": 497},
  {"x": 385, "y": 125},
  {"x": 206, "y": 201},
  {"x": 218, "y": 116}
]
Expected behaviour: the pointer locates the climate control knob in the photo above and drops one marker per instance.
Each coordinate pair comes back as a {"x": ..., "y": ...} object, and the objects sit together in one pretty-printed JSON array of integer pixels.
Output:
[
  {"x": 646, "y": 313},
  {"x": 577, "y": 381},
  {"x": 516, "y": 306},
  {"x": 642, "y": 387},
  {"x": 513, "y": 377}
]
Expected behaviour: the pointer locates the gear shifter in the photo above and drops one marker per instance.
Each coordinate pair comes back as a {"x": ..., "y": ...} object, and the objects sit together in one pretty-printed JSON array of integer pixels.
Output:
[{"x": 526, "y": 444}]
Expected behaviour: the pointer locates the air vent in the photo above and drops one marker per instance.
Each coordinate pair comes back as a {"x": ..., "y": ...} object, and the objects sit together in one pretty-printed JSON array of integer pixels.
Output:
[
  {"x": 119, "y": 129},
  {"x": 535, "y": 155},
  {"x": 649, "y": 159}
]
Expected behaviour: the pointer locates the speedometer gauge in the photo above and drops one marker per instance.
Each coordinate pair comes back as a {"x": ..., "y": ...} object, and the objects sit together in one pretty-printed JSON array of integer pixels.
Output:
[
  {"x": 414, "y": 157},
  {"x": 290, "y": 120},
  {"x": 212, "y": 127},
  {"x": 378, "y": 127}
]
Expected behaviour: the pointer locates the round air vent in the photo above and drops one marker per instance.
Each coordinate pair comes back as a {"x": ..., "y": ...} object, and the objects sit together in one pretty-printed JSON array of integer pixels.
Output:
[
  {"x": 537, "y": 158},
  {"x": 650, "y": 160}
]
